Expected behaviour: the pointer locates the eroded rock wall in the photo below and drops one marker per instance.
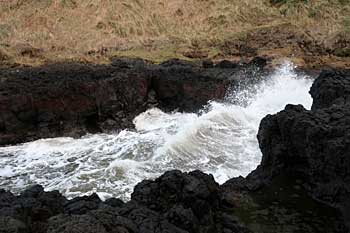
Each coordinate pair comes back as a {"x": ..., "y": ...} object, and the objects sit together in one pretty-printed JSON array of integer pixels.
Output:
[{"x": 75, "y": 99}]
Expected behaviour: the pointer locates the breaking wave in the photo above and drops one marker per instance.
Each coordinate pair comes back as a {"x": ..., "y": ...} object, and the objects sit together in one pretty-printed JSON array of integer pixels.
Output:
[{"x": 220, "y": 140}]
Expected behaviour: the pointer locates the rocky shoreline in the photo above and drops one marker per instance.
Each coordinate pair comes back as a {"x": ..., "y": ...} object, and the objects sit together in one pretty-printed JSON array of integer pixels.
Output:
[
  {"x": 301, "y": 185},
  {"x": 71, "y": 99}
]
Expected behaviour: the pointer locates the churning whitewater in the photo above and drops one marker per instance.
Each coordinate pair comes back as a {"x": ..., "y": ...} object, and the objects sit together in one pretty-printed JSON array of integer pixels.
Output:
[{"x": 220, "y": 140}]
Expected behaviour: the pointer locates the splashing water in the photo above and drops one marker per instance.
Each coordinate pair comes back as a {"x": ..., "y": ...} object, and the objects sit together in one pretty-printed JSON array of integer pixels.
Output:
[{"x": 220, "y": 140}]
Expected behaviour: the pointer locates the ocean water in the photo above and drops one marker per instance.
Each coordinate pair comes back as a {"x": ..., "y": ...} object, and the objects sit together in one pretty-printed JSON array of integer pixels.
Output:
[{"x": 220, "y": 139}]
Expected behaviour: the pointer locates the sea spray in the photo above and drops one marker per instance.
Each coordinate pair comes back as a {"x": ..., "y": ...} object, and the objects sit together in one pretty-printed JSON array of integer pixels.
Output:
[{"x": 220, "y": 140}]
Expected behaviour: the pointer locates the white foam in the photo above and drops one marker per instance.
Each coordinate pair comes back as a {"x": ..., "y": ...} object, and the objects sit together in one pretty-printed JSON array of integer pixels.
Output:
[{"x": 221, "y": 140}]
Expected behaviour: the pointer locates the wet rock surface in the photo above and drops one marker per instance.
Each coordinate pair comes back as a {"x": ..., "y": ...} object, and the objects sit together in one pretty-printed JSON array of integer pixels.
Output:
[
  {"x": 331, "y": 87},
  {"x": 175, "y": 202},
  {"x": 310, "y": 148},
  {"x": 312, "y": 145},
  {"x": 71, "y": 99},
  {"x": 301, "y": 185}
]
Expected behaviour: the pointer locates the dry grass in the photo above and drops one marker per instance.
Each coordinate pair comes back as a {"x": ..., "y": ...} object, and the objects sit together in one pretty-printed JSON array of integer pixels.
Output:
[{"x": 94, "y": 30}]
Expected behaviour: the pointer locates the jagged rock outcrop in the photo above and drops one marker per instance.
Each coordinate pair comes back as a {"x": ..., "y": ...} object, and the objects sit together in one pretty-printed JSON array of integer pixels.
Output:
[
  {"x": 190, "y": 201},
  {"x": 331, "y": 87},
  {"x": 71, "y": 99},
  {"x": 311, "y": 148},
  {"x": 176, "y": 202}
]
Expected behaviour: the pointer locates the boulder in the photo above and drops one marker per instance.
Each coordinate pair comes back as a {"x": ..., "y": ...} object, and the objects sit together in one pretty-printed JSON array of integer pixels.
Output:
[{"x": 331, "y": 87}]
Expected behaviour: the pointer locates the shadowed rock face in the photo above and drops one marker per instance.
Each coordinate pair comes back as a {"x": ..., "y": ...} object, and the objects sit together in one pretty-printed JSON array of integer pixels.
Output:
[
  {"x": 75, "y": 99},
  {"x": 175, "y": 202},
  {"x": 331, "y": 87},
  {"x": 312, "y": 145}
]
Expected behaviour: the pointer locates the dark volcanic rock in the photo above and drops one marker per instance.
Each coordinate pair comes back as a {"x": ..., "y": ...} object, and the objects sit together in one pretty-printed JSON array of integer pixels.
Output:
[
  {"x": 74, "y": 224},
  {"x": 258, "y": 62},
  {"x": 71, "y": 99},
  {"x": 301, "y": 185},
  {"x": 11, "y": 225},
  {"x": 303, "y": 181},
  {"x": 189, "y": 200},
  {"x": 82, "y": 205},
  {"x": 331, "y": 87},
  {"x": 226, "y": 64},
  {"x": 174, "y": 203},
  {"x": 67, "y": 99},
  {"x": 314, "y": 146},
  {"x": 311, "y": 147},
  {"x": 30, "y": 211}
]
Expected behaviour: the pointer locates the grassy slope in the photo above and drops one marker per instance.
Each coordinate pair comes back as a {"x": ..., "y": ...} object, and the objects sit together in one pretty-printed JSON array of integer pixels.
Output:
[{"x": 94, "y": 30}]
